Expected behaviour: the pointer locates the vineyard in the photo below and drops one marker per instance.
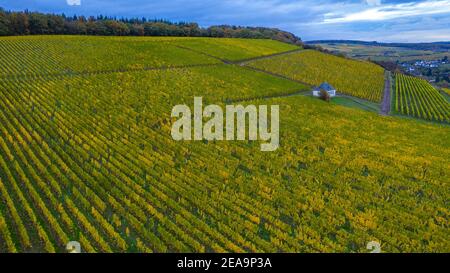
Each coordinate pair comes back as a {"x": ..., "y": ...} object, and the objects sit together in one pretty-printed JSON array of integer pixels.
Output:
[
  {"x": 20, "y": 58},
  {"x": 235, "y": 49},
  {"x": 446, "y": 90},
  {"x": 356, "y": 78},
  {"x": 417, "y": 98},
  {"x": 47, "y": 55},
  {"x": 88, "y": 157}
]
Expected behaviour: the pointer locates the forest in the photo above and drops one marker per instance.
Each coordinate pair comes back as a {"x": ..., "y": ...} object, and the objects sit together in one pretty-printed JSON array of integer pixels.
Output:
[{"x": 34, "y": 23}]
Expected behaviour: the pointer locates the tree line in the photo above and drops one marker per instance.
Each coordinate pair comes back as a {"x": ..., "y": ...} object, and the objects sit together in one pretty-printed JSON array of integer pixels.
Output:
[{"x": 35, "y": 23}]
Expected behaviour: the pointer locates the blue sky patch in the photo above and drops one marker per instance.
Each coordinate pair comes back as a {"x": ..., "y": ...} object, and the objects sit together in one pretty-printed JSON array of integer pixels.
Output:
[{"x": 380, "y": 20}]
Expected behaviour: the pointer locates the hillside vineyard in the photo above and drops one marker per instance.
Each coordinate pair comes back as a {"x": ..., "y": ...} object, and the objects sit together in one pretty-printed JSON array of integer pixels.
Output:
[
  {"x": 86, "y": 153},
  {"x": 230, "y": 126},
  {"x": 417, "y": 98},
  {"x": 356, "y": 78}
]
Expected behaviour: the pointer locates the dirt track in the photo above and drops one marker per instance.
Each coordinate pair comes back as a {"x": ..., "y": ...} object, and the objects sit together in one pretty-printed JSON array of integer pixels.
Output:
[{"x": 386, "y": 103}]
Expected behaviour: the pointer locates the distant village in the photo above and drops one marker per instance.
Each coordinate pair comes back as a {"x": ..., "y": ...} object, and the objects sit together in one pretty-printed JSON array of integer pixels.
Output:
[
  {"x": 435, "y": 71},
  {"x": 425, "y": 64}
]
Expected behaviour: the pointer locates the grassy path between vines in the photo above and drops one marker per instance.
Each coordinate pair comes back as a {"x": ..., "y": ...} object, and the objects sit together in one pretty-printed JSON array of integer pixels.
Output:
[{"x": 386, "y": 103}]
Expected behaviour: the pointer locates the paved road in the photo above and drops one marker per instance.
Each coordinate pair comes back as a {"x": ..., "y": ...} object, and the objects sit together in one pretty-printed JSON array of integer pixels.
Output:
[{"x": 386, "y": 103}]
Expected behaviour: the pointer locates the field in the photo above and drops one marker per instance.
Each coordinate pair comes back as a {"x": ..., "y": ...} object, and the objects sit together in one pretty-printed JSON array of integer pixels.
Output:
[
  {"x": 383, "y": 53},
  {"x": 357, "y": 78},
  {"x": 357, "y": 103},
  {"x": 235, "y": 49},
  {"x": 86, "y": 155},
  {"x": 446, "y": 90},
  {"x": 417, "y": 98},
  {"x": 45, "y": 55}
]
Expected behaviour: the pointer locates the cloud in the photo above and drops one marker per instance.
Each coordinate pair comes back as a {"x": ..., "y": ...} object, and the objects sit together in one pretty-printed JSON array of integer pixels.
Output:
[
  {"x": 373, "y": 2},
  {"x": 405, "y": 20},
  {"x": 74, "y": 2},
  {"x": 425, "y": 36},
  {"x": 393, "y": 11}
]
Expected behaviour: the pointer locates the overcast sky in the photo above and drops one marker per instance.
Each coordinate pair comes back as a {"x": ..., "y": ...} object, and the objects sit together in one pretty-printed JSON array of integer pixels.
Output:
[{"x": 381, "y": 20}]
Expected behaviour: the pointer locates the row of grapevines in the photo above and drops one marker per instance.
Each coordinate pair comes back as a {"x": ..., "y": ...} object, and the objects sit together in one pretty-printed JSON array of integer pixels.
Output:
[
  {"x": 356, "y": 78},
  {"x": 90, "y": 158},
  {"x": 39, "y": 101},
  {"x": 446, "y": 90},
  {"x": 43, "y": 55},
  {"x": 417, "y": 98},
  {"x": 24, "y": 56}
]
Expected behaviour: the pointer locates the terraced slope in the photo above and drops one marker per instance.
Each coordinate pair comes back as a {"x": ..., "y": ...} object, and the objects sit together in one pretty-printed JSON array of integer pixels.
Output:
[{"x": 356, "y": 78}]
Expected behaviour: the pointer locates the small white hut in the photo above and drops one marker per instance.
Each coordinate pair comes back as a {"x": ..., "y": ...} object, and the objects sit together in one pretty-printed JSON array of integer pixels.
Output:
[{"x": 327, "y": 87}]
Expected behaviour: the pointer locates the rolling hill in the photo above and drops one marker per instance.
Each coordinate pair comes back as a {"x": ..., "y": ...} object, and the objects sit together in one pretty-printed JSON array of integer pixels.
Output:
[
  {"x": 391, "y": 52},
  {"x": 86, "y": 153},
  {"x": 357, "y": 78}
]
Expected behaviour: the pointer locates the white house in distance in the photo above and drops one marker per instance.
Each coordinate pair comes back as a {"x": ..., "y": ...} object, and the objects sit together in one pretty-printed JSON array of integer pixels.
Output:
[{"x": 327, "y": 87}]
